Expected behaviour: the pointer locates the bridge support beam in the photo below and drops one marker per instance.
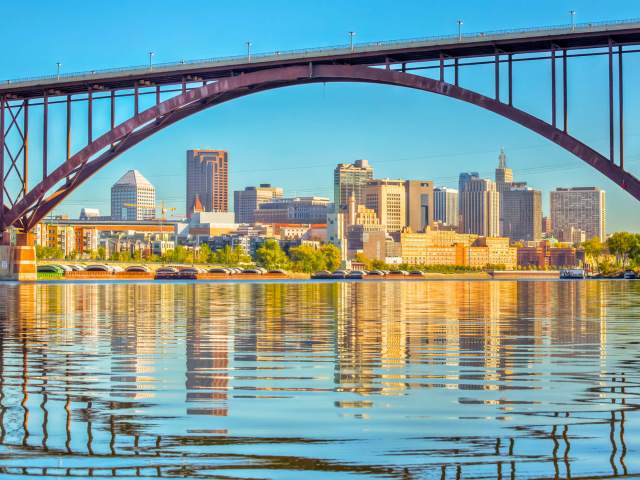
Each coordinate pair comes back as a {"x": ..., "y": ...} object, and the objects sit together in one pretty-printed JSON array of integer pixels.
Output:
[{"x": 18, "y": 262}]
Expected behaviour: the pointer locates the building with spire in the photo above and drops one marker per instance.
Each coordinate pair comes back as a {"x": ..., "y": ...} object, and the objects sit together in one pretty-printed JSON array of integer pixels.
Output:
[
  {"x": 133, "y": 197},
  {"x": 504, "y": 175},
  {"x": 520, "y": 205}
]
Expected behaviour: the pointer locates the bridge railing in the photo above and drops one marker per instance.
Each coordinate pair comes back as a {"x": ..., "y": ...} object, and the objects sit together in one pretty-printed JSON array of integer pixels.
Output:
[{"x": 325, "y": 51}]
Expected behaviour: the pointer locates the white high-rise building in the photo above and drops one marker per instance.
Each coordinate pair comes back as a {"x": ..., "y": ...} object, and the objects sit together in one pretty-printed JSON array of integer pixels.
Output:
[
  {"x": 445, "y": 206},
  {"x": 580, "y": 208},
  {"x": 133, "y": 198},
  {"x": 480, "y": 207}
]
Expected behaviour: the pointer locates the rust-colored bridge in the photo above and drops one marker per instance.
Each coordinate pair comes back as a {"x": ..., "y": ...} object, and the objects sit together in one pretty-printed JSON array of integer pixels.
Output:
[{"x": 179, "y": 90}]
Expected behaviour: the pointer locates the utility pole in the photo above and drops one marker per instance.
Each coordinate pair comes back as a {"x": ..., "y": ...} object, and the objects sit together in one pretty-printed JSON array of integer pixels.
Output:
[
  {"x": 351, "y": 35},
  {"x": 460, "y": 23},
  {"x": 573, "y": 19}
]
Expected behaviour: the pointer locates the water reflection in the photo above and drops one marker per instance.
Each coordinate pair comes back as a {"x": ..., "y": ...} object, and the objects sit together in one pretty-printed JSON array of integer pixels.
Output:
[{"x": 390, "y": 379}]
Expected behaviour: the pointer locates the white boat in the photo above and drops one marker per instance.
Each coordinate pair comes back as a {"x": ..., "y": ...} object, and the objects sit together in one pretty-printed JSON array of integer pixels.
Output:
[{"x": 572, "y": 273}]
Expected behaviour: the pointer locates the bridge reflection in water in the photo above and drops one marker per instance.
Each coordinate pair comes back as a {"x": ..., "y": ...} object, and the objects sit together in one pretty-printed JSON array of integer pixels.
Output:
[{"x": 399, "y": 379}]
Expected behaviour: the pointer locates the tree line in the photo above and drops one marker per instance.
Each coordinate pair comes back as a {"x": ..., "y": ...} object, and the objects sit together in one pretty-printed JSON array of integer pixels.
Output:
[
  {"x": 621, "y": 250},
  {"x": 303, "y": 258}
]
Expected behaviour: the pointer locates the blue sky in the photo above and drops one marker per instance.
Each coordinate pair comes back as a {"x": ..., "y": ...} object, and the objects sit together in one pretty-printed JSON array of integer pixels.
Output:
[{"x": 293, "y": 137}]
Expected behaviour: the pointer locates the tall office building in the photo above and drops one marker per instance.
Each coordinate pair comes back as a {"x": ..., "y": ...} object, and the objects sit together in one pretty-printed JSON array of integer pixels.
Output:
[
  {"x": 464, "y": 178},
  {"x": 480, "y": 207},
  {"x": 504, "y": 175},
  {"x": 348, "y": 179},
  {"x": 207, "y": 180},
  {"x": 521, "y": 209},
  {"x": 388, "y": 199},
  {"x": 445, "y": 206},
  {"x": 133, "y": 198},
  {"x": 247, "y": 201},
  {"x": 419, "y": 204},
  {"x": 580, "y": 208}
]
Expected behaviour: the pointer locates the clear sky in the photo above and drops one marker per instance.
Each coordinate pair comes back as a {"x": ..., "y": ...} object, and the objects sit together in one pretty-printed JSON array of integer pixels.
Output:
[{"x": 293, "y": 137}]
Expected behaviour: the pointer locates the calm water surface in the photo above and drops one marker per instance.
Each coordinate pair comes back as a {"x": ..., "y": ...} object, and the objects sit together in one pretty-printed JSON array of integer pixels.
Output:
[{"x": 320, "y": 380}]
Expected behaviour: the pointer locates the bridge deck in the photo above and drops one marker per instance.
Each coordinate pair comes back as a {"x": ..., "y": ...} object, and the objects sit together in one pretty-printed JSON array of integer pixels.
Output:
[{"x": 591, "y": 35}]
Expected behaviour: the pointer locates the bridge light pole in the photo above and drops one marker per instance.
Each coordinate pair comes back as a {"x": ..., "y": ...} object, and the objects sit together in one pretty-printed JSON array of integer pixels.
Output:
[
  {"x": 151, "y": 54},
  {"x": 58, "y": 65},
  {"x": 351, "y": 35},
  {"x": 248, "y": 44},
  {"x": 573, "y": 19},
  {"x": 460, "y": 23}
]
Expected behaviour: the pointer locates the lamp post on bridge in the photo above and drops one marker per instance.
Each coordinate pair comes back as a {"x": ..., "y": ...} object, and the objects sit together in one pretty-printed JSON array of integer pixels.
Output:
[
  {"x": 151, "y": 54},
  {"x": 460, "y": 23},
  {"x": 248, "y": 44},
  {"x": 58, "y": 65},
  {"x": 573, "y": 19},
  {"x": 351, "y": 35}
]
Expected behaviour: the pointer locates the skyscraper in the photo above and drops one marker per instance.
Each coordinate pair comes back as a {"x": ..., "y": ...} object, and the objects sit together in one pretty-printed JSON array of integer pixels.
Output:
[
  {"x": 350, "y": 179},
  {"x": 480, "y": 207},
  {"x": 463, "y": 179},
  {"x": 521, "y": 208},
  {"x": 388, "y": 199},
  {"x": 207, "y": 180},
  {"x": 247, "y": 201},
  {"x": 445, "y": 206},
  {"x": 419, "y": 204},
  {"x": 133, "y": 198},
  {"x": 504, "y": 175},
  {"x": 579, "y": 208}
]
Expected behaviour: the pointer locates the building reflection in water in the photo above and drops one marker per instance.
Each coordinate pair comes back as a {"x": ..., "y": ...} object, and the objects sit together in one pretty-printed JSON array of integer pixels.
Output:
[{"x": 130, "y": 371}]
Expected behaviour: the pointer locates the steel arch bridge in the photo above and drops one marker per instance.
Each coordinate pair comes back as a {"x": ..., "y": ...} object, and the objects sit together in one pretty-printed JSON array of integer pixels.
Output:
[{"x": 183, "y": 89}]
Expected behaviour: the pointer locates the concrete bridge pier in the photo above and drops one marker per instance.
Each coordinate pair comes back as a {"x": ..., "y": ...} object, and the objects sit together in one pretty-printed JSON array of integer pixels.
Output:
[{"x": 18, "y": 262}]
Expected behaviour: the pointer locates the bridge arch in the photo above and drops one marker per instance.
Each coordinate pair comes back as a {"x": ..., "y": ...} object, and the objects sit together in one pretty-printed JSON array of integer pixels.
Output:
[{"x": 35, "y": 205}]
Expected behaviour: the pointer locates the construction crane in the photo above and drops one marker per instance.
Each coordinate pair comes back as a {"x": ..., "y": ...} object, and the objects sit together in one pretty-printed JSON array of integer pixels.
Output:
[{"x": 163, "y": 212}]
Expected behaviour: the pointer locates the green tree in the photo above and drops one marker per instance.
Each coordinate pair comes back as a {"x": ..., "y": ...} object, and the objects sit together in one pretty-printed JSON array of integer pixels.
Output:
[
  {"x": 362, "y": 258},
  {"x": 240, "y": 255},
  {"x": 593, "y": 250},
  {"x": 331, "y": 255},
  {"x": 203, "y": 253},
  {"x": 305, "y": 258},
  {"x": 270, "y": 256},
  {"x": 621, "y": 245},
  {"x": 102, "y": 253}
]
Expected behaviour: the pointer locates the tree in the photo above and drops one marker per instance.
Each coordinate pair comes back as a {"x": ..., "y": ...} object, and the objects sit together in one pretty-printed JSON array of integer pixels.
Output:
[
  {"x": 362, "y": 258},
  {"x": 240, "y": 255},
  {"x": 102, "y": 253},
  {"x": 331, "y": 255},
  {"x": 203, "y": 253},
  {"x": 305, "y": 258},
  {"x": 621, "y": 245},
  {"x": 593, "y": 249},
  {"x": 270, "y": 256}
]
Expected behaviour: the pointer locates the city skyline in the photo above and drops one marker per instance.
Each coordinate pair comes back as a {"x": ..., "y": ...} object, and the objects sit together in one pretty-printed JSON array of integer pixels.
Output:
[{"x": 311, "y": 128}]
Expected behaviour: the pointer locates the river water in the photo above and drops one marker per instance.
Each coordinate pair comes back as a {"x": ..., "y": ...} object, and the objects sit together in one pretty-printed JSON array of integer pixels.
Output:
[{"x": 434, "y": 379}]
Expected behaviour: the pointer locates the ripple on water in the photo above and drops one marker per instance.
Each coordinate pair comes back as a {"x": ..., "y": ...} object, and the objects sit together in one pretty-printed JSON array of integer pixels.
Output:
[{"x": 320, "y": 380}]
